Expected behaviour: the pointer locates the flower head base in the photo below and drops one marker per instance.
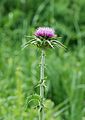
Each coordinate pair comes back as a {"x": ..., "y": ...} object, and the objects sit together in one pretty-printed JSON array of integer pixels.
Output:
[
  {"x": 45, "y": 32},
  {"x": 44, "y": 37}
]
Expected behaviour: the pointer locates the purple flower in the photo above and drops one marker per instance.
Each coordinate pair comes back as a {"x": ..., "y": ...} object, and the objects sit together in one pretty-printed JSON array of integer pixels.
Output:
[{"x": 45, "y": 32}]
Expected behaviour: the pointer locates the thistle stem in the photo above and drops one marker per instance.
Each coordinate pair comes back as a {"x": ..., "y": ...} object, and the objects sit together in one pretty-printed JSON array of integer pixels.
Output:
[{"x": 41, "y": 111}]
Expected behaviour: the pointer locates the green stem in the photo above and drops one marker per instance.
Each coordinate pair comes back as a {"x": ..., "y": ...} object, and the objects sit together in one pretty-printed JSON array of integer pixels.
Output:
[{"x": 41, "y": 111}]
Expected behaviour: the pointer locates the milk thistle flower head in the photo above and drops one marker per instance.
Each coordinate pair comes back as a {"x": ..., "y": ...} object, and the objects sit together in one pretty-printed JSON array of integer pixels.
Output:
[
  {"x": 44, "y": 37},
  {"x": 45, "y": 32}
]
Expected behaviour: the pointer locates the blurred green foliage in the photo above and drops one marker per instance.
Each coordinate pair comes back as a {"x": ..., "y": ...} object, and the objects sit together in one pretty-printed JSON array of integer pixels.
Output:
[{"x": 19, "y": 70}]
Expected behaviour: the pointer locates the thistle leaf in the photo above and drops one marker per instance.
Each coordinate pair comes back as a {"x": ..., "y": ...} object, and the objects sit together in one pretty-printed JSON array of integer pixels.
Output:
[
  {"x": 50, "y": 43},
  {"x": 24, "y": 46},
  {"x": 38, "y": 40},
  {"x": 27, "y": 43},
  {"x": 59, "y": 44},
  {"x": 34, "y": 42},
  {"x": 35, "y": 99}
]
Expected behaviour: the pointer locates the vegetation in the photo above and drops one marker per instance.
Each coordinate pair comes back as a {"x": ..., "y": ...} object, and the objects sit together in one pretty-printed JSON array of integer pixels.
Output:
[{"x": 19, "y": 69}]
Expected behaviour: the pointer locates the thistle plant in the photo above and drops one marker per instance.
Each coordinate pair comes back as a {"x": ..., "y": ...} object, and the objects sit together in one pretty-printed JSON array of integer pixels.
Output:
[{"x": 44, "y": 37}]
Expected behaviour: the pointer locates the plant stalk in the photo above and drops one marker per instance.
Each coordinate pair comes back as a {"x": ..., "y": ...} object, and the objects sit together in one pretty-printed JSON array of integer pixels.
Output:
[{"x": 41, "y": 111}]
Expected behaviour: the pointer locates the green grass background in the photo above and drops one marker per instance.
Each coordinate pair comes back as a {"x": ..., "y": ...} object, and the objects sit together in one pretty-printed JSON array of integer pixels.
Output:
[{"x": 65, "y": 70}]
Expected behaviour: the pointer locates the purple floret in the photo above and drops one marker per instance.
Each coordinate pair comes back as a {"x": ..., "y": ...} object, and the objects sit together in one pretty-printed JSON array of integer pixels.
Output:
[{"x": 45, "y": 32}]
